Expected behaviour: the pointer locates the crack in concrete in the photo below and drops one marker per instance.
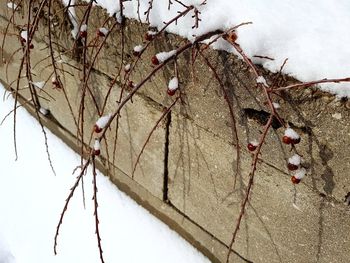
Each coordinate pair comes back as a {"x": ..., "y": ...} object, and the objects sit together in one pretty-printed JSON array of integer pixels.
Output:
[{"x": 166, "y": 158}]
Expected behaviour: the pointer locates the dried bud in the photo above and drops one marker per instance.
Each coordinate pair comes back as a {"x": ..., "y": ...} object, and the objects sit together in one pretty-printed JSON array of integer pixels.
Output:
[
  {"x": 83, "y": 31},
  {"x": 150, "y": 35},
  {"x": 292, "y": 167},
  {"x": 231, "y": 37},
  {"x": 252, "y": 145},
  {"x": 295, "y": 180},
  {"x": 298, "y": 175},
  {"x": 155, "y": 60},
  {"x": 97, "y": 129},
  {"x": 171, "y": 92}
]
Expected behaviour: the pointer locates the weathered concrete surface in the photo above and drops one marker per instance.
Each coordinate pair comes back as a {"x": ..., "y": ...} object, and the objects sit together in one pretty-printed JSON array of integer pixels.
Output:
[
  {"x": 201, "y": 146},
  {"x": 136, "y": 120},
  {"x": 193, "y": 233},
  {"x": 310, "y": 113},
  {"x": 287, "y": 223}
]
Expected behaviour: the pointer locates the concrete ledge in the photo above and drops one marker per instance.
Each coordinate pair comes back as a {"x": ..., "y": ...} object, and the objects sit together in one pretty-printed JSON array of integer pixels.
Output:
[{"x": 187, "y": 172}]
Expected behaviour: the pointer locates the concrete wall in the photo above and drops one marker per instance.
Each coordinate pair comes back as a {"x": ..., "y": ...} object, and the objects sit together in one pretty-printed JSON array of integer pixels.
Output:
[{"x": 187, "y": 172}]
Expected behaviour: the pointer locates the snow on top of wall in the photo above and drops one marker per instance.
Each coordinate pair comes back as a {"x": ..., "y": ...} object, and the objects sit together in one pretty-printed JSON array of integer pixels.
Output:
[{"x": 313, "y": 35}]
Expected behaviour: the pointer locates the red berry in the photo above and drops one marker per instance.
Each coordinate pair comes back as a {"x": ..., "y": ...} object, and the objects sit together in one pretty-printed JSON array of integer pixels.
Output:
[
  {"x": 100, "y": 34},
  {"x": 232, "y": 37},
  {"x": 292, "y": 167},
  {"x": 83, "y": 34},
  {"x": 97, "y": 129},
  {"x": 96, "y": 152},
  {"x": 296, "y": 141},
  {"x": 287, "y": 140},
  {"x": 131, "y": 84},
  {"x": 171, "y": 92},
  {"x": 251, "y": 147},
  {"x": 136, "y": 53},
  {"x": 149, "y": 37},
  {"x": 155, "y": 60},
  {"x": 127, "y": 69},
  {"x": 31, "y": 46},
  {"x": 295, "y": 180}
]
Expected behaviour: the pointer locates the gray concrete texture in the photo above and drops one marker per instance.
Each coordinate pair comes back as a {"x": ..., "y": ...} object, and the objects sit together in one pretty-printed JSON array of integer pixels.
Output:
[
  {"x": 136, "y": 120},
  {"x": 308, "y": 222}
]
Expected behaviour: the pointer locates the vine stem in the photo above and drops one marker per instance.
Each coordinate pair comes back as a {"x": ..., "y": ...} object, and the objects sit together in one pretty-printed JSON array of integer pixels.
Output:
[
  {"x": 249, "y": 186},
  {"x": 71, "y": 193}
]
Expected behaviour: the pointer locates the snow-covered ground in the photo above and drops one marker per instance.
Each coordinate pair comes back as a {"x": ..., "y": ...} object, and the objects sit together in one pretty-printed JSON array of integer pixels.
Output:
[
  {"x": 31, "y": 200},
  {"x": 313, "y": 34}
]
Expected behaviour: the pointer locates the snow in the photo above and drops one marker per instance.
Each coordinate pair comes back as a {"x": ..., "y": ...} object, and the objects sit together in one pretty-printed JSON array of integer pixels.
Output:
[
  {"x": 300, "y": 173},
  {"x": 102, "y": 121},
  {"x": 39, "y": 84},
  {"x": 289, "y": 132},
  {"x": 72, "y": 16},
  {"x": 32, "y": 199},
  {"x": 295, "y": 160},
  {"x": 97, "y": 145},
  {"x": 173, "y": 84},
  {"x": 261, "y": 80},
  {"x": 11, "y": 5},
  {"x": 254, "y": 143},
  {"x": 44, "y": 111},
  {"x": 313, "y": 35},
  {"x": 103, "y": 30},
  {"x": 83, "y": 28},
  {"x": 24, "y": 35},
  {"x": 276, "y": 105},
  {"x": 152, "y": 33},
  {"x": 127, "y": 67},
  {"x": 138, "y": 48},
  {"x": 162, "y": 56}
]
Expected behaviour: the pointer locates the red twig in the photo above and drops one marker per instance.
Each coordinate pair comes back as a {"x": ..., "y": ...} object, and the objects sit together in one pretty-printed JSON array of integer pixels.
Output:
[
  {"x": 232, "y": 115},
  {"x": 249, "y": 186},
  {"x": 307, "y": 84},
  {"x": 71, "y": 193},
  {"x": 165, "y": 113},
  {"x": 97, "y": 231}
]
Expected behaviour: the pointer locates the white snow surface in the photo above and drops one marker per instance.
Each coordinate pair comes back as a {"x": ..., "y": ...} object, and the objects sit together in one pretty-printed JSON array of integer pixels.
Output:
[
  {"x": 11, "y": 5},
  {"x": 300, "y": 173},
  {"x": 276, "y": 105},
  {"x": 312, "y": 34},
  {"x": 291, "y": 133},
  {"x": 295, "y": 159},
  {"x": 83, "y": 28},
  {"x": 103, "y": 30},
  {"x": 254, "y": 142},
  {"x": 173, "y": 83},
  {"x": 97, "y": 144},
  {"x": 261, "y": 80},
  {"x": 24, "y": 35},
  {"x": 39, "y": 84},
  {"x": 32, "y": 199},
  {"x": 138, "y": 48},
  {"x": 102, "y": 121},
  {"x": 162, "y": 56},
  {"x": 72, "y": 16}
]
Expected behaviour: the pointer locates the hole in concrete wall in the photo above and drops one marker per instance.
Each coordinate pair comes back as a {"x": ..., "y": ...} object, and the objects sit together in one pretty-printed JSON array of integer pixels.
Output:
[
  {"x": 261, "y": 117},
  {"x": 347, "y": 198}
]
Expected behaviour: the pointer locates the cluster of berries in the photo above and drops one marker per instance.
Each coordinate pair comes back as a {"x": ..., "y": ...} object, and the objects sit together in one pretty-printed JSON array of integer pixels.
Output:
[{"x": 294, "y": 163}]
